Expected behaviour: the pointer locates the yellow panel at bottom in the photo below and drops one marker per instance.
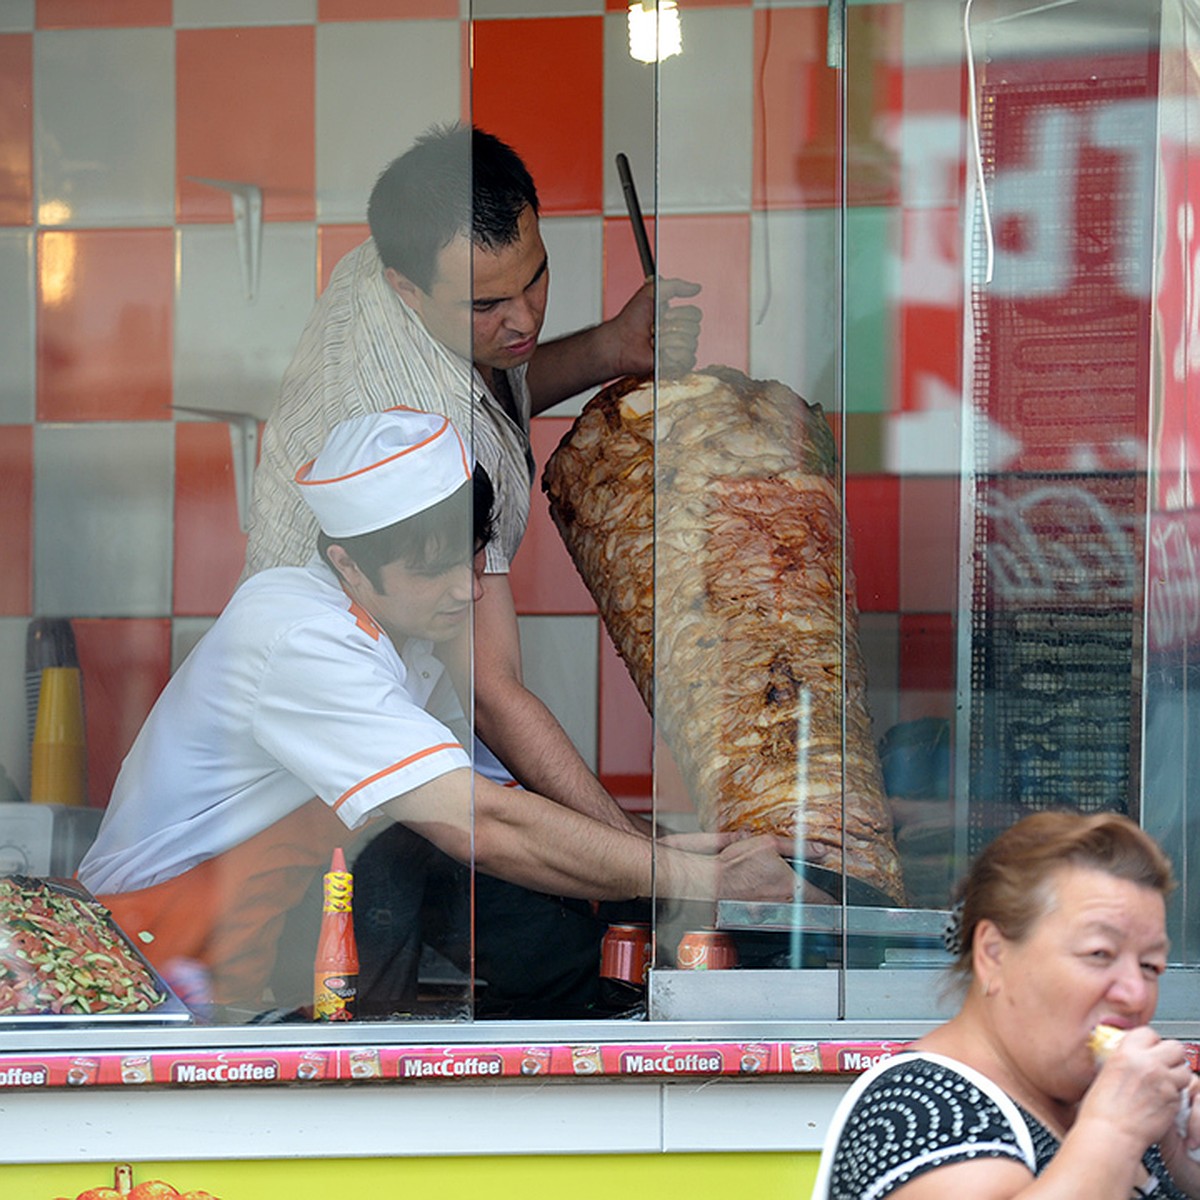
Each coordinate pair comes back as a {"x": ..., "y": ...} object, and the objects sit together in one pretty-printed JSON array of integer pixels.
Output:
[{"x": 582, "y": 1177}]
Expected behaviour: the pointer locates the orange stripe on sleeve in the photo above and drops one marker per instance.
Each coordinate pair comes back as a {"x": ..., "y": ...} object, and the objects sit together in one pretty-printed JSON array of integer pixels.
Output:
[{"x": 404, "y": 762}]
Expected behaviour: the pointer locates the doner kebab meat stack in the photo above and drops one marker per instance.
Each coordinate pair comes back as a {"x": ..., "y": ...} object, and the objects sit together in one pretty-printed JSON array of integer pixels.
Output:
[{"x": 747, "y": 527}]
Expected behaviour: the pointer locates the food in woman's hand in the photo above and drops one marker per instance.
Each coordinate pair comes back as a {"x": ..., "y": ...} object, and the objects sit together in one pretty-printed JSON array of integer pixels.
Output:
[
  {"x": 1103, "y": 1040},
  {"x": 60, "y": 953},
  {"x": 708, "y": 528}
]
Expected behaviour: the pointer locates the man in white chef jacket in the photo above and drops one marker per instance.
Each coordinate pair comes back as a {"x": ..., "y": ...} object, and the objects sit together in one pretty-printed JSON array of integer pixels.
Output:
[
  {"x": 315, "y": 705},
  {"x": 442, "y": 310}
]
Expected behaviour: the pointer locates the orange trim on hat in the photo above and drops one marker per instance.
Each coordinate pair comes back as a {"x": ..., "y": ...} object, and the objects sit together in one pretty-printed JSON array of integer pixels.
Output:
[{"x": 433, "y": 437}]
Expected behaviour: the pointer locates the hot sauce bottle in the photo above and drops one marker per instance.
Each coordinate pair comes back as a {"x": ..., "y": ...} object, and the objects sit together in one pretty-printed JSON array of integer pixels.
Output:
[{"x": 335, "y": 970}]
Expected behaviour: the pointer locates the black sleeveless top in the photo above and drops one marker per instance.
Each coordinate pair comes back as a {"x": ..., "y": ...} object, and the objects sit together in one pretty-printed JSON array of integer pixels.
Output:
[{"x": 917, "y": 1114}]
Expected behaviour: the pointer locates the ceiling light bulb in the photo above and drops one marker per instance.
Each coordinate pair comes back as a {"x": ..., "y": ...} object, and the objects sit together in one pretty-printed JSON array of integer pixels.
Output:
[{"x": 654, "y": 30}]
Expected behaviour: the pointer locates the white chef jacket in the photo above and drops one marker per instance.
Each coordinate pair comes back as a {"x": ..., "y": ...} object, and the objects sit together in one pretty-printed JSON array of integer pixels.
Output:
[{"x": 295, "y": 692}]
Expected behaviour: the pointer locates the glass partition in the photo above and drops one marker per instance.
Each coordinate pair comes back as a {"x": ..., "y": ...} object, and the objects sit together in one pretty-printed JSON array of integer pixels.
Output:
[{"x": 968, "y": 243}]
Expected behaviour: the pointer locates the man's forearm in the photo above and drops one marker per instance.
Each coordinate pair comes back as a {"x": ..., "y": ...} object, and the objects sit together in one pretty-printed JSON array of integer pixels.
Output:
[
  {"x": 522, "y": 732},
  {"x": 569, "y": 365},
  {"x": 538, "y": 844},
  {"x": 532, "y": 841}
]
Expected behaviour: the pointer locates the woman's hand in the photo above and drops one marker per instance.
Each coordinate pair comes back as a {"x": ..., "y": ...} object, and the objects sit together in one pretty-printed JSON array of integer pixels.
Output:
[
  {"x": 1181, "y": 1144},
  {"x": 1137, "y": 1092}
]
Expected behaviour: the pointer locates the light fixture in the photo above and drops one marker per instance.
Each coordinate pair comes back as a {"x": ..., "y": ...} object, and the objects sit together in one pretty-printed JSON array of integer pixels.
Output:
[{"x": 654, "y": 30}]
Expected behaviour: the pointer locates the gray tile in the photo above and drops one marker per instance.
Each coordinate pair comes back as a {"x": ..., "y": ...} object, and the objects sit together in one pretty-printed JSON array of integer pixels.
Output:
[
  {"x": 705, "y": 114},
  {"x": 14, "y": 727},
  {"x": 16, "y": 327},
  {"x": 560, "y": 660},
  {"x": 185, "y": 633},
  {"x": 369, "y": 109},
  {"x": 103, "y": 517},
  {"x": 16, "y": 16},
  {"x": 198, "y": 14},
  {"x": 231, "y": 351},
  {"x": 104, "y": 146}
]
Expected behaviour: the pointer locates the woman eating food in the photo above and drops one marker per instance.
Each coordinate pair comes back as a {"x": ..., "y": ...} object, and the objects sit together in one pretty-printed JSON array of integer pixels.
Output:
[{"x": 1049, "y": 1082}]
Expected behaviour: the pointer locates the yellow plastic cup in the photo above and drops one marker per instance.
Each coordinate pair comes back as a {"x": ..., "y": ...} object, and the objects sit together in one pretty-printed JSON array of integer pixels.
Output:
[{"x": 59, "y": 760}]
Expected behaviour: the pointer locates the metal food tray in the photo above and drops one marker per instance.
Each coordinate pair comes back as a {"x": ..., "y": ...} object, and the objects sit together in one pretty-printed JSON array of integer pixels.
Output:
[
  {"x": 918, "y": 924},
  {"x": 171, "y": 1011}
]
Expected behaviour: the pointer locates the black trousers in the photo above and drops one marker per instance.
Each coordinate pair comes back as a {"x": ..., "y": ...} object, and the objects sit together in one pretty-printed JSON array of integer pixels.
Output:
[{"x": 535, "y": 955}]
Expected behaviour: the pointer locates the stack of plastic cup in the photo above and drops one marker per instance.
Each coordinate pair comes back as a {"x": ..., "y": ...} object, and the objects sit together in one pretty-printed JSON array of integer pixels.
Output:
[
  {"x": 49, "y": 642},
  {"x": 58, "y": 772}
]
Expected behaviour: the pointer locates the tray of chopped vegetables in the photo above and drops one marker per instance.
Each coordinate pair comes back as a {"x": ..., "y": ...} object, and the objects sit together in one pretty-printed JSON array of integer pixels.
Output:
[{"x": 64, "y": 960}]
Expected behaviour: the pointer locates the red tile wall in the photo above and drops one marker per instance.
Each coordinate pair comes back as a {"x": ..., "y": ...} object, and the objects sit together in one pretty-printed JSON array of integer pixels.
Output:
[
  {"x": 16, "y": 519},
  {"x": 104, "y": 324},
  {"x": 539, "y": 85},
  {"x": 125, "y": 664},
  {"x": 225, "y": 116},
  {"x": 16, "y": 129}
]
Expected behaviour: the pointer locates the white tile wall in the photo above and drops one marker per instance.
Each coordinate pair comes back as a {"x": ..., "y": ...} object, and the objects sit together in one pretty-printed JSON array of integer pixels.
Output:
[
  {"x": 231, "y": 352},
  {"x": 197, "y": 14},
  {"x": 794, "y": 345},
  {"x": 185, "y": 633},
  {"x": 485, "y": 9},
  {"x": 16, "y": 16},
  {"x": 104, "y": 138},
  {"x": 16, "y": 327},
  {"x": 368, "y": 112},
  {"x": 706, "y": 162},
  {"x": 560, "y": 661},
  {"x": 103, "y": 508},
  {"x": 575, "y": 248},
  {"x": 14, "y": 739}
]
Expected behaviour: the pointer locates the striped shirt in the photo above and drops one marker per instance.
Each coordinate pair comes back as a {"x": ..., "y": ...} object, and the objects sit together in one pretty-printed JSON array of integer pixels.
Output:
[{"x": 363, "y": 350}]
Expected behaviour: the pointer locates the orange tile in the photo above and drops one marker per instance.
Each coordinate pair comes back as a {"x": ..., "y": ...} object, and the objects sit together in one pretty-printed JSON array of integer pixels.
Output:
[
  {"x": 231, "y": 124},
  {"x": 334, "y": 242},
  {"x": 931, "y": 314},
  {"x": 125, "y": 665},
  {"x": 711, "y": 251},
  {"x": 872, "y": 505},
  {"x": 104, "y": 324},
  {"x": 796, "y": 149},
  {"x": 539, "y": 85},
  {"x": 543, "y": 577},
  {"x": 385, "y": 10},
  {"x": 16, "y": 519},
  {"x": 210, "y": 547},
  {"x": 95, "y": 14},
  {"x": 16, "y": 129}
]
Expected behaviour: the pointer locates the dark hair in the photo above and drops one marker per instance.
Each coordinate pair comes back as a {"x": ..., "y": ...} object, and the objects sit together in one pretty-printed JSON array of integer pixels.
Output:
[
  {"x": 454, "y": 178},
  {"x": 433, "y": 539},
  {"x": 1012, "y": 881}
]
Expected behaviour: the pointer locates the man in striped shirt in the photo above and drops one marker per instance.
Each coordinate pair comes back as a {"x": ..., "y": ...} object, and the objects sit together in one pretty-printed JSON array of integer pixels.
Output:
[
  {"x": 442, "y": 310},
  {"x": 314, "y": 708}
]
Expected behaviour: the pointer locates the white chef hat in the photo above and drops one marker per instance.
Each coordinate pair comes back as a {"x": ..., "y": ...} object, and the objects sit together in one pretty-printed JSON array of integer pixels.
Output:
[{"x": 378, "y": 469}]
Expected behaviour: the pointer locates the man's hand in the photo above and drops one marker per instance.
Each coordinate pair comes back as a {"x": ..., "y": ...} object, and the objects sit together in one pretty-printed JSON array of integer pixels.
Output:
[
  {"x": 622, "y": 345},
  {"x": 751, "y": 869},
  {"x": 675, "y": 330}
]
